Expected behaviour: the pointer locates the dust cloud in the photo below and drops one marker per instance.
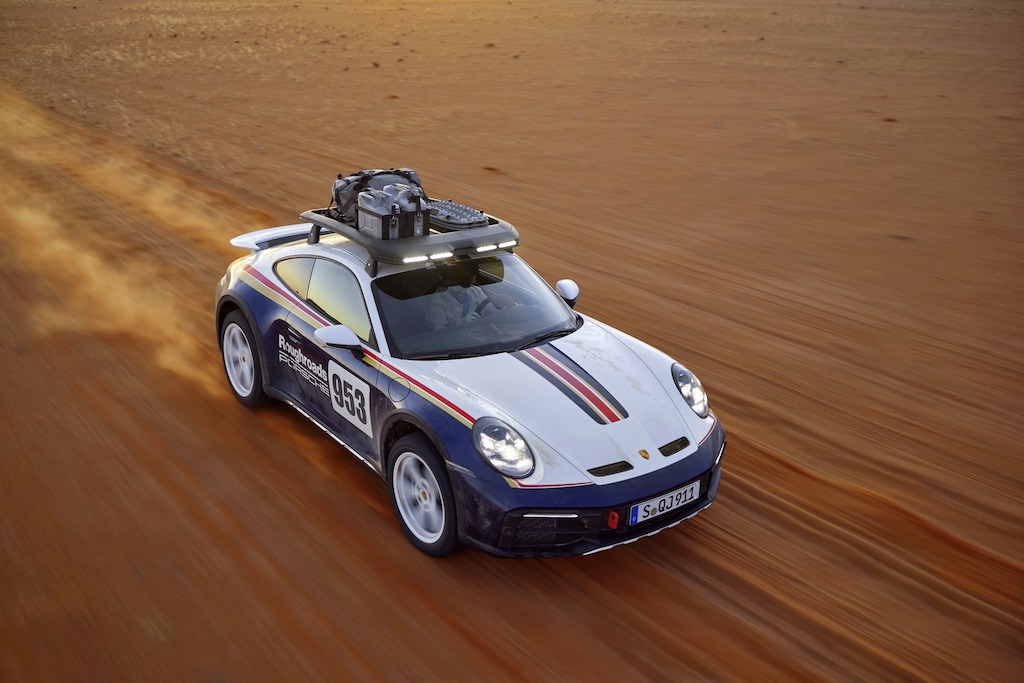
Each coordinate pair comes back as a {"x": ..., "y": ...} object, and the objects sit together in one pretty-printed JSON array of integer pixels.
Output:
[{"x": 96, "y": 295}]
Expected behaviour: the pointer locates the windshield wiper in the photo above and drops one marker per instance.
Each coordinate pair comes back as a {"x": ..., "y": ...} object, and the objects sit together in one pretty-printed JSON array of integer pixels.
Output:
[
  {"x": 547, "y": 336},
  {"x": 448, "y": 356}
]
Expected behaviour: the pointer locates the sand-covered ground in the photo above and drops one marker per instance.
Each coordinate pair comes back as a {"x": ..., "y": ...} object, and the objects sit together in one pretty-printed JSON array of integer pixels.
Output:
[{"x": 817, "y": 205}]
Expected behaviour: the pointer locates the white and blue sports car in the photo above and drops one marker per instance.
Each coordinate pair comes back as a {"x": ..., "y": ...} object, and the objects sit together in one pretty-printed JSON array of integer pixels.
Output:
[{"x": 499, "y": 416}]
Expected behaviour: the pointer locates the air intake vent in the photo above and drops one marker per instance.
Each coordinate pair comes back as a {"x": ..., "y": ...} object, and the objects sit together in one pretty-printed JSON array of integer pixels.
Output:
[
  {"x": 614, "y": 468},
  {"x": 675, "y": 446}
]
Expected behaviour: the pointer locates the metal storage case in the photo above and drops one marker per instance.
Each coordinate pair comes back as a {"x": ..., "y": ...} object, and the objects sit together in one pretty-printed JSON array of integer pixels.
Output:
[{"x": 394, "y": 212}]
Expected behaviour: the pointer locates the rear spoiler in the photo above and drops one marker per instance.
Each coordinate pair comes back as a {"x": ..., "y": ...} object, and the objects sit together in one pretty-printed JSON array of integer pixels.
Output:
[{"x": 272, "y": 237}]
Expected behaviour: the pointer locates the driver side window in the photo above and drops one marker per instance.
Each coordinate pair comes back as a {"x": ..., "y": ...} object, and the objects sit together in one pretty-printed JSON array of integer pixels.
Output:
[{"x": 335, "y": 291}]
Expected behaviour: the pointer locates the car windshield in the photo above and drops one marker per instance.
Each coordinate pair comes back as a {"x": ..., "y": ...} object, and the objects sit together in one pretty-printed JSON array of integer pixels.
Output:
[{"x": 469, "y": 308}]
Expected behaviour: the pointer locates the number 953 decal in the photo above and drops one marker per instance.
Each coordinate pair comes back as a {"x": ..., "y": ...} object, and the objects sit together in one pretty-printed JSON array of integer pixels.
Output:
[{"x": 350, "y": 397}]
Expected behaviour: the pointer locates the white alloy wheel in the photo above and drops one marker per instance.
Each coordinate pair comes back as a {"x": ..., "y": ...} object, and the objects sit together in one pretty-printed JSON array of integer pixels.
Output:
[
  {"x": 419, "y": 498},
  {"x": 241, "y": 362},
  {"x": 238, "y": 360},
  {"x": 422, "y": 495}
]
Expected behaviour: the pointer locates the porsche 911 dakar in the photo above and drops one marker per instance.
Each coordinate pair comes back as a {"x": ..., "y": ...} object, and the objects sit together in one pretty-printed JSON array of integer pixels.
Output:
[{"x": 408, "y": 330}]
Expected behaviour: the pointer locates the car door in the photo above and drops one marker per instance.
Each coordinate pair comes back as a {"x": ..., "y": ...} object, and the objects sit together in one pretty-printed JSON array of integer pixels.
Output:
[{"x": 342, "y": 391}]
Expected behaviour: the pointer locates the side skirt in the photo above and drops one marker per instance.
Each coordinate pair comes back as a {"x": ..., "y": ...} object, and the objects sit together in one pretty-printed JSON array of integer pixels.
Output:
[{"x": 331, "y": 434}]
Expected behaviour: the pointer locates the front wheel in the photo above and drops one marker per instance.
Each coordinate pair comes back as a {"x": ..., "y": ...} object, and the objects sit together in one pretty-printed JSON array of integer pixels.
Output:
[{"x": 422, "y": 496}]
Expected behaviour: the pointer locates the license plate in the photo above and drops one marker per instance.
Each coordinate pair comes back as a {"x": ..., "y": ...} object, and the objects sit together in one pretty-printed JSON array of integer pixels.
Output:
[{"x": 641, "y": 512}]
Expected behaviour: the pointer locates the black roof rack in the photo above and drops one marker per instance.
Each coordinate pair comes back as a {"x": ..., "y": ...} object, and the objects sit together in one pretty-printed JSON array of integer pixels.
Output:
[{"x": 437, "y": 246}]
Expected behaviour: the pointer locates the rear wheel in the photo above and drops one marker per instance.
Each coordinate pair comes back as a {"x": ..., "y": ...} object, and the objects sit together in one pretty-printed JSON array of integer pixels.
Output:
[
  {"x": 241, "y": 363},
  {"x": 422, "y": 496}
]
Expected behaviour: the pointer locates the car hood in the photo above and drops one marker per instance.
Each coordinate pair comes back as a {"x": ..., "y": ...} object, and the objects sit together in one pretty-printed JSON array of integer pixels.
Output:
[{"x": 586, "y": 398}]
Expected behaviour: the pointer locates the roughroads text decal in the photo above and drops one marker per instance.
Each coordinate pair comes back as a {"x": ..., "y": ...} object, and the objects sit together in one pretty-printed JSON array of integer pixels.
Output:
[{"x": 307, "y": 368}]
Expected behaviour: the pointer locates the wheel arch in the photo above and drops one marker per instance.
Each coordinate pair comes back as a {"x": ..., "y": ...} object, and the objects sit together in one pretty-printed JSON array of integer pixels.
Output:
[
  {"x": 225, "y": 306},
  {"x": 402, "y": 424}
]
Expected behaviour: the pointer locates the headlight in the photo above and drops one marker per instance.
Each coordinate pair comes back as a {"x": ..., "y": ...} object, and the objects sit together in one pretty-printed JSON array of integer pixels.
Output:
[
  {"x": 502, "y": 447},
  {"x": 691, "y": 389}
]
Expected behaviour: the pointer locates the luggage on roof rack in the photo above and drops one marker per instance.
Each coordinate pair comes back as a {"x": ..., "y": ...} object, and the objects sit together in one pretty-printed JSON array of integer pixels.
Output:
[
  {"x": 347, "y": 187},
  {"x": 390, "y": 203},
  {"x": 387, "y": 212}
]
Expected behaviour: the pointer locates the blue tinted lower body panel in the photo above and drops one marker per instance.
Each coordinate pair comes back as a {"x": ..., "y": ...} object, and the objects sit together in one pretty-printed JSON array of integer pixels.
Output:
[{"x": 582, "y": 519}]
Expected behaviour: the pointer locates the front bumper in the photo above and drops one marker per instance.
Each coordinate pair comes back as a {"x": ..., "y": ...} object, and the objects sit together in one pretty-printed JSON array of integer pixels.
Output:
[{"x": 586, "y": 519}]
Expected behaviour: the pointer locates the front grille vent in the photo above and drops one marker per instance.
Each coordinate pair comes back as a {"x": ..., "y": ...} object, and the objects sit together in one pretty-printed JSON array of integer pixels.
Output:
[
  {"x": 613, "y": 468},
  {"x": 675, "y": 446}
]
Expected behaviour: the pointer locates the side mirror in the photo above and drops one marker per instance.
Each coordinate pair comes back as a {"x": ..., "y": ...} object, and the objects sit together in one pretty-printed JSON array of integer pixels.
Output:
[
  {"x": 339, "y": 337},
  {"x": 568, "y": 290}
]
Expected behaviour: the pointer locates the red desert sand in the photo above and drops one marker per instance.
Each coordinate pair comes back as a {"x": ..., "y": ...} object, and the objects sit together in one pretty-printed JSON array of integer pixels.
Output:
[{"x": 816, "y": 205}]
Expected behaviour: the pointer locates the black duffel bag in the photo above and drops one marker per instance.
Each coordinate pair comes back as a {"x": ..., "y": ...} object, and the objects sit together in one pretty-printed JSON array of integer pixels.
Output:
[{"x": 347, "y": 187}]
